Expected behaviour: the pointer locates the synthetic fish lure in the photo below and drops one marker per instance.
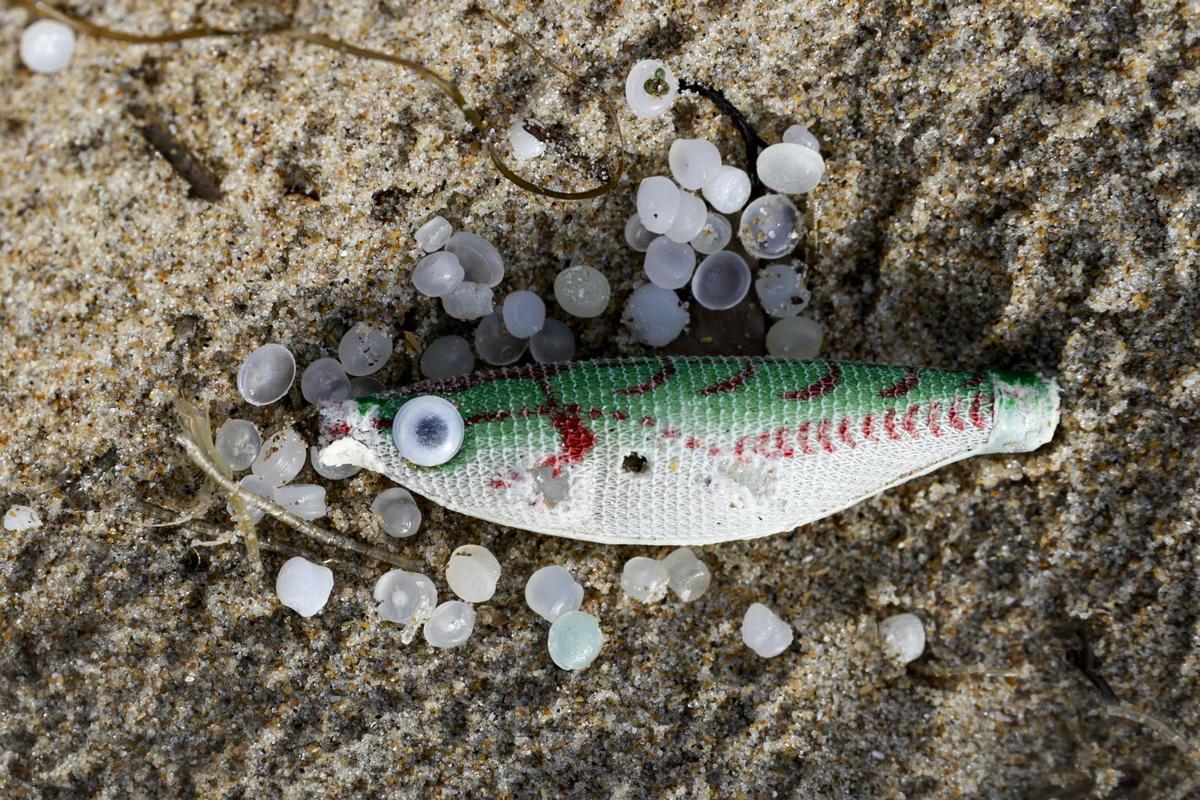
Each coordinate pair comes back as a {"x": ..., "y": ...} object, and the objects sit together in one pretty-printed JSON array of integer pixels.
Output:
[{"x": 681, "y": 450}]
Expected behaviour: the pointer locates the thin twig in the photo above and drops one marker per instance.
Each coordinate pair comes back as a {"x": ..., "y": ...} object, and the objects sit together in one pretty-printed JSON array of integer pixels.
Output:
[{"x": 750, "y": 137}]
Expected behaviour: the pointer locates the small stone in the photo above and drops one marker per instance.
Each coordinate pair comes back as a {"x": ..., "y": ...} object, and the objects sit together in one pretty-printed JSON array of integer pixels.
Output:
[
  {"x": 582, "y": 291},
  {"x": 764, "y": 632},
  {"x": 770, "y": 227},
  {"x": 238, "y": 441},
  {"x": 303, "y": 586},
  {"x": 280, "y": 458},
  {"x": 554, "y": 488},
  {"x": 657, "y": 203},
  {"x": 690, "y": 219},
  {"x": 655, "y": 315},
  {"x": 468, "y": 301},
  {"x": 405, "y": 597},
  {"x": 729, "y": 190},
  {"x": 795, "y": 337},
  {"x": 364, "y": 350},
  {"x": 305, "y": 500},
  {"x": 473, "y": 573},
  {"x": 324, "y": 380},
  {"x": 524, "y": 313},
  {"x": 47, "y": 45},
  {"x": 694, "y": 162},
  {"x": 798, "y": 134},
  {"x": 715, "y": 234},
  {"x": 333, "y": 473},
  {"x": 790, "y": 168},
  {"x": 447, "y": 357},
  {"x": 450, "y": 624},
  {"x": 397, "y": 512},
  {"x": 254, "y": 485},
  {"x": 433, "y": 234},
  {"x": 266, "y": 374},
  {"x": 689, "y": 578},
  {"x": 721, "y": 281},
  {"x": 636, "y": 235},
  {"x": 551, "y": 592},
  {"x": 525, "y": 145},
  {"x": 903, "y": 636},
  {"x": 669, "y": 264},
  {"x": 438, "y": 274},
  {"x": 364, "y": 386},
  {"x": 21, "y": 518},
  {"x": 645, "y": 579},
  {"x": 781, "y": 290},
  {"x": 479, "y": 258},
  {"x": 553, "y": 343},
  {"x": 650, "y": 88},
  {"x": 575, "y": 640},
  {"x": 496, "y": 345}
]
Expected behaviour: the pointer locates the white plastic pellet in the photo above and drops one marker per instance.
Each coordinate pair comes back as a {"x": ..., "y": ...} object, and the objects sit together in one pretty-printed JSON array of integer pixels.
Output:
[
  {"x": 364, "y": 349},
  {"x": 468, "y": 300},
  {"x": 694, "y": 162},
  {"x": 364, "y": 385},
  {"x": 764, "y": 632},
  {"x": 479, "y": 258},
  {"x": 636, "y": 235},
  {"x": 496, "y": 345},
  {"x": 729, "y": 190},
  {"x": 472, "y": 573},
  {"x": 324, "y": 380},
  {"x": 553, "y": 343},
  {"x": 790, "y": 168},
  {"x": 781, "y": 290},
  {"x": 650, "y": 88},
  {"x": 447, "y": 357},
  {"x": 770, "y": 227},
  {"x": 397, "y": 512},
  {"x": 551, "y": 592},
  {"x": 450, "y": 624},
  {"x": 655, "y": 315},
  {"x": 903, "y": 636},
  {"x": 333, "y": 473},
  {"x": 47, "y": 46},
  {"x": 438, "y": 274},
  {"x": 405, "y": 597},
  {"x": 433, "y": 234},
  {"x": 645, "y": 579},
  {"x": 721, "y": 281},
  {"x": 575, "y": 640},
  {"x": 305, "y": 500},
  {"x": 690, "y": 219},
  {"x": 794, "y": 337},
  {"x": 669, "y": 264},
  {"x": 582, "y": 291},
  {"x": 280, "y": 458},
  {"x": 254, "y": 485},
  {"x": 657, "y": 203},
  {"x": 714, "y": 235},
  {"x": 525, "y": 145},
  {"x": 21, "y": 518},
  {"x": 524, "y": 313},
  {"x": 799, "y": 134},
  {"x": 303, "y": 586},
  {"x": 266, "y": 374},
  {"x": 689, "y": 577},
  {"x": 238, "y": 441}
]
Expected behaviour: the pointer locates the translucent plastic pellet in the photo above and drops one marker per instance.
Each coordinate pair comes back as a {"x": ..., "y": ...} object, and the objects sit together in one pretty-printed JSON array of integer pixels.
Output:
[
  {"x": 553, "y": 343},
  {"x": 714, "y": 235},
  {"x": 472, "y": 573},
  {"x": 770, "y": 227},
  {"x": 397, "y": 512},
  {"x": 266, "y": 374},
  {"x": 729, "y": 190},
  {"x": 303, "y": 586},
  {"x": 636, "y": 235},
  {"x": 781, "y": 290},
  {"x": 657, "y": 203},
  {"x": 721, "y": 281},
  {"x": 694, "y": 162},
  {"x": 404, "y": 597},
  {"x": 438, "y": 274},
  {"x": 238, "y": 441},
  {"x": 364, "y": 349},
  {"x": 903, "y": 636},
  {"x": 764, "y": 632},
  {"x": 362, "y": 386},
  {"x": 790, "y": 168},
  {"x": 525, "y": 146},
  {"x": 323, "y": 380},
  {"x": 690, "y": 219},
  {"x": 468, "y": 301},
  {"x": 524, "y": 313},
  {"x": 254, "y": 485},
  {"x": 669, "y": 264},
  {"x": 434, "y": 234},
  {"x": 450, "y": 624},
  {"x": 645, "y": 579},
  {"x": 305, "y": 500},
  {"x": 689, "y": 578},
  {"x": 280, "y": 458},
  {"x": 446, "y": 357},
  {"x": 47, "y": 46},
  {"x": 798, "y": 134},
  {"x": 582, "y": 291},
  {"x": 795, "y": 337},
  {"x": 340, "y": 472},
  {"x": 650, "y": 88},
  {"x": 575, "y": 640},
  {"x": 21, "y": 518},
  {"x": 479, "y": 258},
  {"x": 554, "y": 488},
  {"x": 496, "y": 345},
  {"x": 551, "y": 592},
  {"x": 655, "y": 315}
]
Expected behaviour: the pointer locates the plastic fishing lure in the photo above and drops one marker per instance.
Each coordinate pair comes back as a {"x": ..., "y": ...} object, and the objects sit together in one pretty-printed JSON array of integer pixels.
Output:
[{"x": 688, "y": 450}]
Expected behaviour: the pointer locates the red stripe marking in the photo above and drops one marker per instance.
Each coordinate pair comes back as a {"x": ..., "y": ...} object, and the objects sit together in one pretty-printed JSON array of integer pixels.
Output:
[
  {"x": 934, "y": 428},
  {"x": 844, "y": 433},
  {"x": 973, "y": 381},
  {"x": 488, "y": 416},
  {"x": 868, "y": 429},
  {"x": 620, "y": 415},
  {"x": 823, "y": 436},
  {"x": 739, "y": 447},
  {"x": 820, "y": 388},
  {"x": 781, "y": 445},
  {"x": 910, "y": 421},
  {"x": 802, "y": 438},
  {"x": 650, "y": 384},
  {"x": 692, "y": 443},
  {"x": 670, "y": 433},
  {"x": 902, "y": 386},
  {"x": 737, "y": 381},
  {"x": 714, "y": 451},
  {"x": 954, "y": 417},
  {"x": 889, "y": 425},
  {"x": 380, "y": 423},
  {"x": 339, "y": 429},
  {"x": 648, "y": 422},
  {"x": 977, "y": 410},
  {"x": 595, "y": 413}
]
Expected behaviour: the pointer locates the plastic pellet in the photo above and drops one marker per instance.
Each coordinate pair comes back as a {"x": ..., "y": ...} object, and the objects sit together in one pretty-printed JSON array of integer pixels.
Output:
[
  {"x": 280, "y": 458},
  {"x": 764, "y": 632},
  {"x": 397, "y": 512},
  {"x": 238, "y": 441},
  {"x": 324, "y": 380},
  {"x": 794, "y": 337},
  {"x": 650, "y": 88},
  {"x": 450, "y": 624},
  {"x": 333, "y": 473},
  {"x": 254, "y": 485},
  {"x": 472, "y": 573},
  {"x": 524, "y": 313},
  {"x": 551, "y": 592},
  {"x": 689, "y": 578},
  {"x": 553, "y": 343},
  {"x": 525, "y": 145},
  {"x": 303, "y": 586},
  {"x": 553, "y": 488},
  {"x": 715, "y": 234},
  {"x": 582, "y": 291},
  {"x": 575, "y": 640},
  {"x": 636, "y": 235},
  {"x": 21, "y": 518},
  {"x": 654, "y": 315},
  {"x": 438, "y": 274},
  {"x": 657, "y": 203},
  {"x": 693, "y": 162},
  {"x": 468, "y": 301},
  {"x": 362, "y": 386},
  {"x": 770, "y": 227},
  {"x": 669, "y": 264},
  {"x": 364, "y": 350},
  {"x": 433, "y": 234},
  {"x": 790, "y": 168},
  {"x": 479, "y": 258},
  {"x": 721, "y": 281},
  {"x": 305, "y": 500},
  {"x": 47, "y": 46},
  {"x": 266, "y": 374},
  {"x": 903, "y": 636},
  {"x": 798, "y": 134},
  {"x": 781, "y": 290},
  {"x": 645, "y": 579},
  {"x": 446, "y": 357},
  {"x": 405, "y": 597},
  {"x": 729, "y": 190},
  {"x": 494, "y": 344},
  {"x": 690, "y": 219}
]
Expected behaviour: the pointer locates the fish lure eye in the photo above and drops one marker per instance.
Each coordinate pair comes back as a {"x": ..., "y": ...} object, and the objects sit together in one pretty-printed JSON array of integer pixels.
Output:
[{"x": 428, "y": 431}]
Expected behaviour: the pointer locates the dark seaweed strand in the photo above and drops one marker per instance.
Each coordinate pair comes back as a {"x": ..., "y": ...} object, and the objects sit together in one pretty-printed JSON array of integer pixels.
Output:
[{"x": 753, "y": 141}]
